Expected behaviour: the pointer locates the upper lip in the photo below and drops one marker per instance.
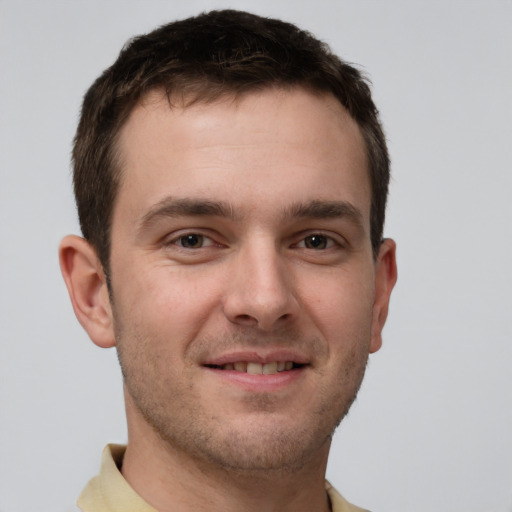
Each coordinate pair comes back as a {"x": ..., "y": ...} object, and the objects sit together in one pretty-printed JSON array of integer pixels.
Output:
[{"x": 257, "y": 356}]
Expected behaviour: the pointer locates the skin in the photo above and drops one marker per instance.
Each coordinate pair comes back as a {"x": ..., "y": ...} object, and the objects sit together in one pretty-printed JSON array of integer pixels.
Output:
[{"x": 240, "y": 232}]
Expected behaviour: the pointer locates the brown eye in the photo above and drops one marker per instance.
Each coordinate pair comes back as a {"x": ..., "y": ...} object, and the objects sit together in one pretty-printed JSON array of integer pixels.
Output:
[
  {"x": 316, "y": 242},
  {"x": 191, "y": 241}
]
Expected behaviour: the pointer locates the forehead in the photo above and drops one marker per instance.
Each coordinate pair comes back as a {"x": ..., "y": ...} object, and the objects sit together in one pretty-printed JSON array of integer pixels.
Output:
[
  {"x": 272, "y": 145},
  {"x": 270, "y": 109}
]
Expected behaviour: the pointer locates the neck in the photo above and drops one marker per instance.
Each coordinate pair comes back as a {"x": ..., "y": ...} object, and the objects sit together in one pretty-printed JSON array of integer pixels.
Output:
[{"x": 170, "y": 480}]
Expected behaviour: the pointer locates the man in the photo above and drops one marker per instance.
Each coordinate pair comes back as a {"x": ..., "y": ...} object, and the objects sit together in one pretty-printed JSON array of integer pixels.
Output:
[{"x": 231, "y": 178}]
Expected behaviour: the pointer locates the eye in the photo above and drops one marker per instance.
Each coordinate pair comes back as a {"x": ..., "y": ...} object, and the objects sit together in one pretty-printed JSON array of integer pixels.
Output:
[
  {"x": 193, "y": 241},
  {"x": 316, "y": 242}
]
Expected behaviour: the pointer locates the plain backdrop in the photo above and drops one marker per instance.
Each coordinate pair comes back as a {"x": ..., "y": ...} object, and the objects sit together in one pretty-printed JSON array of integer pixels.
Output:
[{"x": 432, "y": 427}]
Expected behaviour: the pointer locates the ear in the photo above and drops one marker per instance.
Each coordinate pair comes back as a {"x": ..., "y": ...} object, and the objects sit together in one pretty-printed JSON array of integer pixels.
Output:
[
  {"x": 87, "y": 287},
  {"x": 385, "y": 279}
]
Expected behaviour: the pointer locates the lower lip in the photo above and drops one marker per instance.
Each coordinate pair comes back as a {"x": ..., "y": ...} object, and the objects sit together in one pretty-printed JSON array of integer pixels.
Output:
[{"x": 260, "y": 383}]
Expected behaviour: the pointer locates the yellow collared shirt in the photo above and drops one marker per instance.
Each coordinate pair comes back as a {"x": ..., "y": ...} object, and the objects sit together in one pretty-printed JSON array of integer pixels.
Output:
[{"x": 110, "y": 492}]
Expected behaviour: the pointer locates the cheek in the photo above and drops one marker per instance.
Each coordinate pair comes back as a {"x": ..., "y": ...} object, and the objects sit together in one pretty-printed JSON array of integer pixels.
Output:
[
  {"x": 341, "y": 307},
  {"x": 165, "y": 303}
]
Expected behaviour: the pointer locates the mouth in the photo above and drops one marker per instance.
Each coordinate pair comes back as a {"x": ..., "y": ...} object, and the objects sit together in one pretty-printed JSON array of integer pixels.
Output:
[
  {"x": 259, "y": 371},
  {"x": 256, "y": 368}
]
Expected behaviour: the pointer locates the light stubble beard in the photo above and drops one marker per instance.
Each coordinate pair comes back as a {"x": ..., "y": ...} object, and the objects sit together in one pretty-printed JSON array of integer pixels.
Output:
[{"x": 265, "y": 445}]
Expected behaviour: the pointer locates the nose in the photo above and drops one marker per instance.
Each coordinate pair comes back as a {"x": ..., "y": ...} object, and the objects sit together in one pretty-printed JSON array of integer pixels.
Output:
[{"x": 260, "y": 292}]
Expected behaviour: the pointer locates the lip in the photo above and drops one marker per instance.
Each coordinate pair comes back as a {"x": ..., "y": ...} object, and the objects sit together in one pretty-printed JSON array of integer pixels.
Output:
[
  {"x": 254, "y": 356},
  {"x": 258, "y": 383}
]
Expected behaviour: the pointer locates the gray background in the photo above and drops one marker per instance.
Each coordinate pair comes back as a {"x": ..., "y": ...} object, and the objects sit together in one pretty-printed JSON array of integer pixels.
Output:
[{"x": 431, "y": 430}]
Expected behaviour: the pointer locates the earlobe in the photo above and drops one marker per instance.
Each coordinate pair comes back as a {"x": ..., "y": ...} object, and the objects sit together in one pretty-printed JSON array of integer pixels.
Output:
[
  {"x": 385, "y": 279},
  {"x": 87, "y": 287}
]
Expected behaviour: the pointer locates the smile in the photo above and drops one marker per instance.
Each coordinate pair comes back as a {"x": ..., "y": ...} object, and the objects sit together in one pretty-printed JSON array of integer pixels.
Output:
[{"x": 255, "y": 368}]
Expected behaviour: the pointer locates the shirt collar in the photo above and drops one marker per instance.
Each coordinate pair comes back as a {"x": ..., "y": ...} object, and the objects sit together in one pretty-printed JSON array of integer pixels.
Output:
[{"x": 110, "y": 492}]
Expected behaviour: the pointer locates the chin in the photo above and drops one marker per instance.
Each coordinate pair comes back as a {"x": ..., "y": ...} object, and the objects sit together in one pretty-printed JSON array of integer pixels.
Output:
[
  {"x": 259, "y": 450},
  {"x": 264, "y": 443}
]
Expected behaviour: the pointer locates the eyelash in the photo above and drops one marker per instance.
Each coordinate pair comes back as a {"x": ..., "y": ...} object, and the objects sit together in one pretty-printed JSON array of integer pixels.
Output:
[
  {"x": 329, "y": 241},
  {"x": 176, "y": 241},
  {"x": 206, "y": 241}
]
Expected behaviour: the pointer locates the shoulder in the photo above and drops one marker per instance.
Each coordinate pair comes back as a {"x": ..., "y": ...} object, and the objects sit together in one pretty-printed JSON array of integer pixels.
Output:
[{"x": 338, "y": 502}]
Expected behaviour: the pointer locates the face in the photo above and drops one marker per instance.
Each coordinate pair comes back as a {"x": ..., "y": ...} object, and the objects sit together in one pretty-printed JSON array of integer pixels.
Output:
[{"x": 243, "y": 281}]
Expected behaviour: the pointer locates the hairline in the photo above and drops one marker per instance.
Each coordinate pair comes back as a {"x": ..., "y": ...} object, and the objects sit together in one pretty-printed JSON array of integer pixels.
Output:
[{"x": 202, "y": 97}]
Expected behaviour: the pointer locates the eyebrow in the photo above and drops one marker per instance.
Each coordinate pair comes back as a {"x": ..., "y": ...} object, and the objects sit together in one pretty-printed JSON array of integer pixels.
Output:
[
  {"x": 185, "y": 207},
  {"x": 325, "y": 210},
  {"x": 190, "y": 207}
]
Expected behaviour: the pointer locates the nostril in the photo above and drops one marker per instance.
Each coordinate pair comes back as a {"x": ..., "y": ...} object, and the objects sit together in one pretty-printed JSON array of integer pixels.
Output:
[{"x": 246, "y": 319}]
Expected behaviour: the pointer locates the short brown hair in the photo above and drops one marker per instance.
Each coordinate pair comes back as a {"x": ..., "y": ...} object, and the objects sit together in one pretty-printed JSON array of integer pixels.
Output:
[{"x": 200, "y": 59}]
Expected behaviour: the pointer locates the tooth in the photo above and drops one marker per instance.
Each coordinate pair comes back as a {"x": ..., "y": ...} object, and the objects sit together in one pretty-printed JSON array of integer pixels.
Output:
[
  {"x": 240, "y": 366},
  {"x": 288, "y": 365},
  {"x": 228, "y": 366},
  {"x": 280, "y": 366},
  {"x": 269, "y": 368},
  {"x": 254, "y": 368}
]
